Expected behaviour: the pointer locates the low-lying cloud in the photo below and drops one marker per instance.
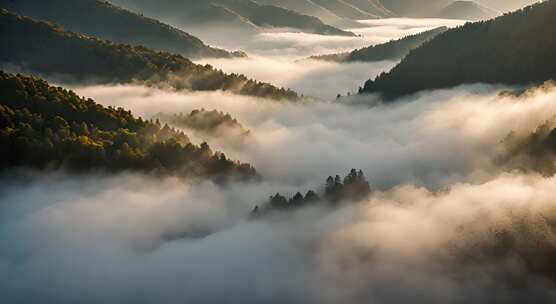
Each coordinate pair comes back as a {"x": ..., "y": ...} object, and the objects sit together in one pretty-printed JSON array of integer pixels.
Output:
[
  {"x": 142, "y": 240},
  {"x": 439, "y": 138},
  {"x": 446, "y": 222},
  {"x": 445, "y": 225},
  {"x": 275, "y": 56}
]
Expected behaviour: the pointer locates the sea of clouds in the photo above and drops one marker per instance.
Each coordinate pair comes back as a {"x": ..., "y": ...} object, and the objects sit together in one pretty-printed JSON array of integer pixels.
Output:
[{"x": 446, "y": 223}]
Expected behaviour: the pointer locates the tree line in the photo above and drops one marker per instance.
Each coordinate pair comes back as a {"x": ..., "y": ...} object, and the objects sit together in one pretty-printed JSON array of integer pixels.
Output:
[
  {"x": 352, "y": 188},
  {"x": 47, "y": 127},
  {"x": 517, "y": 48},
  {"x": 392, "y": 50},
  {"x": 49, "y": 50}
]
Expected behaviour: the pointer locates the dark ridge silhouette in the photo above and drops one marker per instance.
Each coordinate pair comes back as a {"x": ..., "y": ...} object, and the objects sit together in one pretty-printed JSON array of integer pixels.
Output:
[
  {"x": 105, "y": 21},
  {"x": 51, "y": 51},
  {"x": 345, "y": 9},
  {"x": 392, "y": 50},
  {"x": 241, "y": 15},
  {"x": 466, "y": 10},
  {"x": 268, "y": 15},
  {"x": 515, "y": 49}
]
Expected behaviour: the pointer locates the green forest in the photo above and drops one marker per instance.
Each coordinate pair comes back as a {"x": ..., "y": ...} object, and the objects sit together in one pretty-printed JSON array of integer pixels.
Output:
[
  {"x": 392, "y": 50},
  {"x": 210, "y": 122},
  {"x": 516, "y": 49},
  {"x": 353, "y": 187},
  {"x": 118, "y": 25},
  {"x": 47, "y": 127},
  {"x": 51, "y": 51}
]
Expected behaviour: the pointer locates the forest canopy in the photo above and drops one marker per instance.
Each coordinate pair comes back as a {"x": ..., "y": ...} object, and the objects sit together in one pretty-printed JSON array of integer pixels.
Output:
[
  {"x": 49, "y": 50},
  {"x": 392, "y": 50},
  {"x": 354, "y": 187},
  {"x": 118, "y": 25},
  {"x": 516, "y": 49},
  {"x": 47, "y": 127}
]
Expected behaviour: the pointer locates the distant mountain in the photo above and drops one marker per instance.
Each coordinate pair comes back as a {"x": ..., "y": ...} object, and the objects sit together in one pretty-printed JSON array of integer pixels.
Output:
[
  {"x": 393, "y": 50},
  {"x": 273, "y": 16},
  {"x": 47, "y": 128},
  {"x": 374, "y": 7},
  {"x": 306, "y": 7},
  {"x": 49, "y": 50},
  {"x": 345, "y": 9},
  {"x": 467, "y": 10},
  {"x": 450, "y": 9},
  {"x": 106, "y": 21},
  {"x": 516, "y": 48},
  {"x": 506, "y": 5},
  {"x": 415, "y": 8},
  {"x": 229, "y": 16}
]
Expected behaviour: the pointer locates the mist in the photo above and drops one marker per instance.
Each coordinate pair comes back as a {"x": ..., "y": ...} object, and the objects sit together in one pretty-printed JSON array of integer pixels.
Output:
[
  {"x": 132, "y": 238},
  {"x": 438, "y": 138},
  {"x": 277, "y": 56},
  {"x": 447, "y": 221}
]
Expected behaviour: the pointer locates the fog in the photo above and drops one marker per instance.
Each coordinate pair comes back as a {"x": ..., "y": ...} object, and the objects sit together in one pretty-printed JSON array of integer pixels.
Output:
[
  {"x": 436, "y": 139},
  {"x": 136, "y": 239},
  {"x": 276, "y": 56},
  {"x": 447, "y": 222}
]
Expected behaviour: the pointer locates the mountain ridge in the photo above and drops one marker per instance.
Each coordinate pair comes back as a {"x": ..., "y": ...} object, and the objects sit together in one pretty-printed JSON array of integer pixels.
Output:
[
  {"x": 118, "y": 25},
  {"x": 494, "y": 56}
]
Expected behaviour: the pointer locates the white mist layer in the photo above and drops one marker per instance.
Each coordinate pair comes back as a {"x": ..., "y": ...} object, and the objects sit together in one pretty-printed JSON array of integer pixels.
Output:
[
  {"x": 298, "y": 45},
  {"x": 440, "y": 138},
  {"x": 274, "y": 56},
  {"x": 136, "y": 239}
]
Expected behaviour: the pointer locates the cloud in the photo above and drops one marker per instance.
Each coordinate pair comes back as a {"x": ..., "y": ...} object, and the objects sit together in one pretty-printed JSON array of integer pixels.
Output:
[
  {"x": 274, "y": 56},
  {"x": 439, "y": 138},
  {"x": 446, "y": 222},
  {"x": 445, "y": 225},
  {"x": 105, "y": 239}
]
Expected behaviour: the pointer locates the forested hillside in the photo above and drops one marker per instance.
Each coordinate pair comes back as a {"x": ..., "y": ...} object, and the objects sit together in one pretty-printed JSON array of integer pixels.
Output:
[
  {"x": 235, "y": 15},
  {"x": 345, "y": 10},
  {"x": 50, "y": 50},
  {"x": 46, "y": 127},
  {"x": 306, "y": 7},
  {"x": 374, "y": 7},
  {"x": 273, "y": 16},
  {"x": 467, "y": 10},
  {"x": 392, "y": 50},
  {"x": 118, "y": 25},
  {"x": 516, "y": 48}
]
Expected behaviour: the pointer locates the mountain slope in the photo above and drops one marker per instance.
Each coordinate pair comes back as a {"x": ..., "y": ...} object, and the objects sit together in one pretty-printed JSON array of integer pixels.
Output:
[
  {"x": 506, "y": 5},
  {"x": 415, "y": 8},
  {"x": 393, "y": 50},
  {"x": 306, "y": 7},
  {"x": 49, "y": 50},
  {"x": 103, "y": 20},
  {"x": 344, "y": 9},
  {"x": 46, "y": 127},
  {"x": 272, "y": 16},
  {"x": 466, "y": 10},
  {"x": 516, "y": 48},
  {"x": 217, "y": 15},
  {"x": 374, "y": 7}
]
